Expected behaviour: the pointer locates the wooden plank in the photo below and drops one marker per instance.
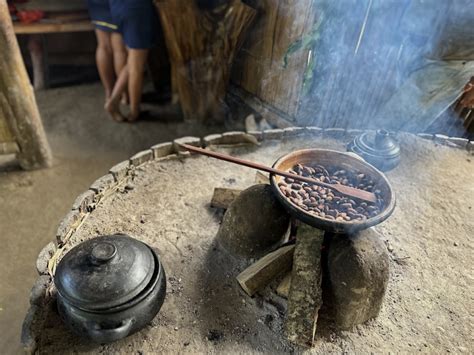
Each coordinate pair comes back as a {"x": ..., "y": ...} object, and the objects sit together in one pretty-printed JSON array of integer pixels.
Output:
[
  {"x": 223, "y": 197},
  {"x": 305, "y": 297},
  {"x": 43, "y": 27},
  {"x": 261, "y": 273}
]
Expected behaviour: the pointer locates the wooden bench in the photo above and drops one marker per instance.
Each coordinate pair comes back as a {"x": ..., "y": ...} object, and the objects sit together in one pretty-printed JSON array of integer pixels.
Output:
[{"x": 35, "y": 34}]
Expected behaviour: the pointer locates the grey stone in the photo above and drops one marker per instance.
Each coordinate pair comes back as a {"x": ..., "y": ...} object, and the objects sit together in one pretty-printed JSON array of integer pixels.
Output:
[
  {"x": 235, "y": 137},
  {"x": 256, "y": 134},
  {"x": 313, "y": 131},
  {"x": 440, "y": 138},
  {"x": 460, "y": 142},
  {"x": 38, "y": 291},
  {"x": 195, "y": 141},
  {"x": 354, "y": 131},
  {"x": 358, "y": 267},
  {"x": 293, "y": 132},
  {"x": 254, "y": 222},
  {"x": 162, "y": 150},
  {"x": 28, "y": 334},
  {"x": 43, "y": 258},
  {"x": 425, "y": 136},
  {"x": 84, "y": 201},
  {"x": 66, "y": 224},
  {"x": 270, "y": 134},
  {"x": 141, "y": 157},
  {"x": 103, "y": 183},
  {"x": 335, "y": 133},
  {"x": 212, "y": 139},
  {"x": 120, "y": 170}
]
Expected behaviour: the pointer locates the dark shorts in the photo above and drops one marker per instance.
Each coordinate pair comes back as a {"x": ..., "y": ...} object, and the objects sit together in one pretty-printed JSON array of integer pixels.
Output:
[
  {"x": 99, "y": 12},
  {"x": 137, "y": 21}
]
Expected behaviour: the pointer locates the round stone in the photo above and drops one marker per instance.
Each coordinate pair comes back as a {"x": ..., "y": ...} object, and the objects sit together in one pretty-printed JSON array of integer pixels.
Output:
[
  {"x": 254, "y": 222},
  {"x": 358, "y": 267}
]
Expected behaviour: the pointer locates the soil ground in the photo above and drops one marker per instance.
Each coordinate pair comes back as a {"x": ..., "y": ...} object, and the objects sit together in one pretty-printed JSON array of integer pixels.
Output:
[
  {"x": 428, "y": 304},
  {"x": 85, "y": 143}
]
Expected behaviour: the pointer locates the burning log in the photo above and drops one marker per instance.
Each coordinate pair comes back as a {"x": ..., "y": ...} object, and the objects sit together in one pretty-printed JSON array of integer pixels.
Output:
[
  {"x": 261, "y": 273},
  {"x": 17, "y": 100},
  {"x": 305, "y": 296},
  {"x": 201, "y": 45},
  {"x": 223, "y": 197}
]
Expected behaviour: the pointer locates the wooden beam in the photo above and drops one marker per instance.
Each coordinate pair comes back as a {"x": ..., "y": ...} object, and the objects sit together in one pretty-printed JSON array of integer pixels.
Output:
[
  {"x": 305, "y": 297},
  {"x": 17, "y": 100},
  {"x": 261, "y": 273},
  {"x": 77, "y": 26},
  {"x": 223, "y": 197}
]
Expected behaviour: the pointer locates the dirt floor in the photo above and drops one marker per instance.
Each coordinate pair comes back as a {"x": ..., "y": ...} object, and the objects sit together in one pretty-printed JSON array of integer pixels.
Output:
[
  {"x": 428, "y": 305},
  {"x": 85, "y": 144}
]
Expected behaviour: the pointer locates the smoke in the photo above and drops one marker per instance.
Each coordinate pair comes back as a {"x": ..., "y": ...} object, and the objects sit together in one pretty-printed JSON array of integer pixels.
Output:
[{"x": 394, "y": 64}]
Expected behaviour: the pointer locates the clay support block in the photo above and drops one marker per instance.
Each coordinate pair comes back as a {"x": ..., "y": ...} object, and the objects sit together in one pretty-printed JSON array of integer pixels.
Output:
[
  {"x": 358, "y": 268},
  {"x": 84, "y": 202},
  {"x": 254, "y": 223},
  {"x": 305, "y": 296},
  {"x": 223, "y": 197},
  {"x": 283, "y": 288},
  {"x": 258, "y": 275},
  {"x": 43, "y": 258},
  {"x": 141, "y": 157}
]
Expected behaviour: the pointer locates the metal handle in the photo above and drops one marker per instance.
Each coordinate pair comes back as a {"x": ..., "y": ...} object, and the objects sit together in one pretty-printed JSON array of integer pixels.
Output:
[{"x": 107, "y": 335}]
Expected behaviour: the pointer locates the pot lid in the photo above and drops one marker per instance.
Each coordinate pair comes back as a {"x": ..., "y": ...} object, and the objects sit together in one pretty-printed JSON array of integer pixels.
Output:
[
  {"x": 104, "y": 272},
  {"x": 378, "y": 144}
]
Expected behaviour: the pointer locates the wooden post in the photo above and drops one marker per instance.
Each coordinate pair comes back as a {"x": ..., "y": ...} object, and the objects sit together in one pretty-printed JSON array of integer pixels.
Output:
[
  {"x": 305, "y": 296},
  {"x": 201, "y": 44},
  {"x": 17, "y": 100}
]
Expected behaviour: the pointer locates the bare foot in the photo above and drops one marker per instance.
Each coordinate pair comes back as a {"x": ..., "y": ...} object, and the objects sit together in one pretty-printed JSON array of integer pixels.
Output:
[
  {"x": 112, "y": 107},
  {"x": 133, "y": 116},
  {"x": 124, "y": 100}
]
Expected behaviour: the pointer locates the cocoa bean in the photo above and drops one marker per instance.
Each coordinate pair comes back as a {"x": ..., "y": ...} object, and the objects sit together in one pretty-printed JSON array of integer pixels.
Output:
[{"x": 295, "y": 186}]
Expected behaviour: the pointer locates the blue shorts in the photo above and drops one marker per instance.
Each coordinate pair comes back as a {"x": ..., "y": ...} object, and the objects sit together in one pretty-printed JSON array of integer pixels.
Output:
[
  {"x": 99, "y": 12},
  {"x": 137, "y": 21}
]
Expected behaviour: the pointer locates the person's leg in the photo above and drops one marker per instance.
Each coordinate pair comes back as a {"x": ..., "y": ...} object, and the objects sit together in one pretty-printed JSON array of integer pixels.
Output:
[
  {"x": 120, "y": 58},
  {"x": 104, "y": 60},
  {"x": 136, "y": 68},
  {"x": 112, "y": 104}
]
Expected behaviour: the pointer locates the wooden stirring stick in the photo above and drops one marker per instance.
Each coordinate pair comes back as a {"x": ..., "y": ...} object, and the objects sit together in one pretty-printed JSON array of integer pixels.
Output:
[{"x": 343, "y": 189}]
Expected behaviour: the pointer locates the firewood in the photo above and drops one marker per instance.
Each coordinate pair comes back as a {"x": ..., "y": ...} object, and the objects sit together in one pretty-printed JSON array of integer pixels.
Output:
[
  {"x": 261, "y": 178},
  {"x": 284, "y": 287},
  {"x": 223, "y": 197},
  {"x": 262, "y": 272},
  {"x": 305, "y": 297}
]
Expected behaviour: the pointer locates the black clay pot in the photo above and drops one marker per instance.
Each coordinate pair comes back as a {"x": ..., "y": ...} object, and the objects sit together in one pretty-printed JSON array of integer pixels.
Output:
[
  {"x": 109, "y": 287},
  {"x": 377, "y": 148}
]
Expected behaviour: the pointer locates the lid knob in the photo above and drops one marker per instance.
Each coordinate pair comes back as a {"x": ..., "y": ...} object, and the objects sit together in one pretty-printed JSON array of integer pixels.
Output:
[{"x": 103, "y": 252}]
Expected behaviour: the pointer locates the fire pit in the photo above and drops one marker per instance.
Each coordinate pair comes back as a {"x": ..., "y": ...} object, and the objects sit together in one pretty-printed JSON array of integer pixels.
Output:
[{"x": 155, "y": 197}]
